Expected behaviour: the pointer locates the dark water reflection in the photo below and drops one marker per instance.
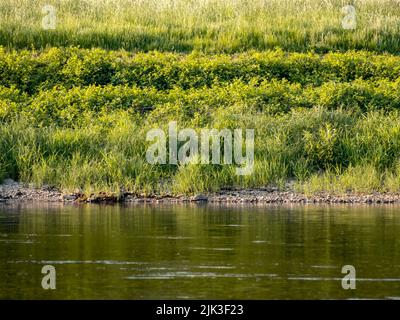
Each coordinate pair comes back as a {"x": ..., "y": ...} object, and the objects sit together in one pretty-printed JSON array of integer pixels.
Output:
[{"x": 199, "y": 252}]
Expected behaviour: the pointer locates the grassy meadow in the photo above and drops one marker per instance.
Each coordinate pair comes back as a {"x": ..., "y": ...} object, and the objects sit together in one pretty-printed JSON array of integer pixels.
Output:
[
  {"x": 209, "y": 25},
  {"x": 76, "y": 102}
]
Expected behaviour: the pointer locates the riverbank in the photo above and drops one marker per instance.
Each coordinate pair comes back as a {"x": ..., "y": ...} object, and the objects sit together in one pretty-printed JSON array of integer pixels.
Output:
[
  {"x": 11, "y": 191},
  {"x": 328, "y": 121}
]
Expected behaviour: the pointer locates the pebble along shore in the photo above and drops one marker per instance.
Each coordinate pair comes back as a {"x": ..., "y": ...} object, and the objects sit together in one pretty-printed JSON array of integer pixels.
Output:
[{"x": 12, "y": 191}]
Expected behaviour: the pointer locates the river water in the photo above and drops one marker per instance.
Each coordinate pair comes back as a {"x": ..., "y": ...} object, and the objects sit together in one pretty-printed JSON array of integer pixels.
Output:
[{"x": 199, "y": 252}]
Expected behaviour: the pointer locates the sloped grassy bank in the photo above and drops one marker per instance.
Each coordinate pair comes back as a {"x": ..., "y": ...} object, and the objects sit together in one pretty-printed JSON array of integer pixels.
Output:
[
  {"x": 207, "y": 25},
  {"x": 77, "y": 119}
]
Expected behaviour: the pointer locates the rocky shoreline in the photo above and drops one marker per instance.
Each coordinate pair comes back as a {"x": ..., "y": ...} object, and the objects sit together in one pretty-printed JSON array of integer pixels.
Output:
[{"x": 11, "y": 191}]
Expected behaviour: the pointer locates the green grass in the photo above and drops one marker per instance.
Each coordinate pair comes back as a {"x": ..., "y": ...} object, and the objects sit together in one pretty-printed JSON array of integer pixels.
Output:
[
  {"x": 76, "y": 102},
  {"x": 207, "y": 25},
  {"x": 306, "y": 145}
]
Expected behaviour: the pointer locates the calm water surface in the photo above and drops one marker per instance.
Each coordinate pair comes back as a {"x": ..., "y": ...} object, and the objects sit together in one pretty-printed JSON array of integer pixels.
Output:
[{"x": 199, "y": 252}]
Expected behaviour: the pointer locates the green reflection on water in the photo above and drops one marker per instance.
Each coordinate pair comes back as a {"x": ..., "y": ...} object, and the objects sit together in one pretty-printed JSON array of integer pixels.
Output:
[{"x": 199, "y": 252}]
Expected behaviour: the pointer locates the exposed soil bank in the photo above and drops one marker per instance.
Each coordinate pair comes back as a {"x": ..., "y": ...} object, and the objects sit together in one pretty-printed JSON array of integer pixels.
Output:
[{"x": 11, "y": 191}]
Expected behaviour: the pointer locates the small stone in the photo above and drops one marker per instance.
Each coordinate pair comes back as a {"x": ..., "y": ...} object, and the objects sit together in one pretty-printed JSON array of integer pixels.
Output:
[
  {"x": 9, "y": 182},
  {"x": 69, "y": 197},
  {"x": 199, "y": 197},
  {"x": 129, "y": 198}
]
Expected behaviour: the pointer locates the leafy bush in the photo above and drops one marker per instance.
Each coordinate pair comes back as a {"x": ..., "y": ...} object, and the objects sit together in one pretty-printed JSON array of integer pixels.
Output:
[
  {"x": 78, "y": 118},
  {"x": 75, "y": 106},
  {"x": 31, "y": 71}
]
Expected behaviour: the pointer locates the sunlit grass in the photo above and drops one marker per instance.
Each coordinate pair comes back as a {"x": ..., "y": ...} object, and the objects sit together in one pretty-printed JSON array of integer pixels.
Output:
[
  {"x": 77, "y": 119},
  {"x": 95, "y": 157},
  {"x": 209, "y": 25}
]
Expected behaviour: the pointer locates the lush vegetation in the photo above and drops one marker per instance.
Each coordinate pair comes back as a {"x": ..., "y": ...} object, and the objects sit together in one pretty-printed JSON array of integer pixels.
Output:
[
  {"x": 326, "y": 116},
  {"x": 78, "y": 118}
]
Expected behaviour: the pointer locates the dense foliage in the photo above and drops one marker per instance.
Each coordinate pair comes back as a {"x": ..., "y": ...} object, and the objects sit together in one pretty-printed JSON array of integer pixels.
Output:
[{"x": 78, "y": 118}]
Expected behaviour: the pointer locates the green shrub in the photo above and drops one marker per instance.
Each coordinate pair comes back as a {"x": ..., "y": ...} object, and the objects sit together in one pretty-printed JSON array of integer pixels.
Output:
[{"x": 31, "y": 71}]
